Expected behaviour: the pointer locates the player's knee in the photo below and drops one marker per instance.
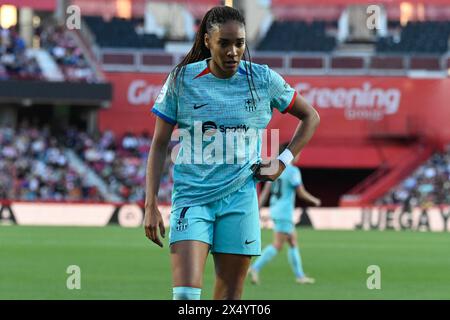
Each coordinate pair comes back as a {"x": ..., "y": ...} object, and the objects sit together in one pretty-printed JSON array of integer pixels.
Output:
[{"x": 292, "y": 241}]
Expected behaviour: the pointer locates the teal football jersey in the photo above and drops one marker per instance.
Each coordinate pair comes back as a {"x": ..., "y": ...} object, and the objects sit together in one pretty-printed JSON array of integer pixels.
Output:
[
  {"x": 283, "y": 190},
  {"x": 214, "y": 116}
]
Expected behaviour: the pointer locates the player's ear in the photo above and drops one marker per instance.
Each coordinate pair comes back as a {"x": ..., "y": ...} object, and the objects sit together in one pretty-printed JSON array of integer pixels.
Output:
[{"x": 206, "y": 40}]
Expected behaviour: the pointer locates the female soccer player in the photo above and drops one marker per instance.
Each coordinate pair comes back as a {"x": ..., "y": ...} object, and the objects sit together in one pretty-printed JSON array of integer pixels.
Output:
[
  {"x": 214, "y": 92},
  {"x": 282, "y": 205}
]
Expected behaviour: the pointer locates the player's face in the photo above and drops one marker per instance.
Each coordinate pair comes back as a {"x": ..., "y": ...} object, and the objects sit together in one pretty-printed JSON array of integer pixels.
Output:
[{"x": 227, "y": 46}]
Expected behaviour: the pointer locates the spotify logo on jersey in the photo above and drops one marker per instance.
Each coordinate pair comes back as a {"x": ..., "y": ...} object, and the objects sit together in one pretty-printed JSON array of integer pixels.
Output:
[{"x": 209, "y": 125}]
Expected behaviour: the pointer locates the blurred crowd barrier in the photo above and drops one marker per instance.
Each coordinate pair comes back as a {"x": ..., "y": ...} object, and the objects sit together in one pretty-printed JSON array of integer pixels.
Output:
[{"x": 397, "y": 218}]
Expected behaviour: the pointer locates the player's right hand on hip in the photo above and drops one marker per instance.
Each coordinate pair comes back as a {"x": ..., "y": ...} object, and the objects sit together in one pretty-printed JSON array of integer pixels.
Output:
[{"x": 153, "y": 220}]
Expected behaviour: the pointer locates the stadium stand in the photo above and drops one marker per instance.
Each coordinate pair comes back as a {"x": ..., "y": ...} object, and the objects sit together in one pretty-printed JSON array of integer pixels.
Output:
[
  {"x": 33, "y": 167},
  {"x": 428, "y": 185},
  {"x": 297, "y": 36},
  {"x": 67, "y": 54},
  {"x": 19, "y": 62},
  {"x": 15, "y": 63},
  {"x": 121, "y": 33},
  {"x": 420, "y": 37},
  {"x": 120, "y": 162},
  {"x": 296, "y": 43}
]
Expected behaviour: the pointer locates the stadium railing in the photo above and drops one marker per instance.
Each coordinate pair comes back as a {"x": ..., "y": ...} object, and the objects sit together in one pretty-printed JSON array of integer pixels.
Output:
[
  {"x": 291, "y": 63},
  {"x": 384, "y": 178}
]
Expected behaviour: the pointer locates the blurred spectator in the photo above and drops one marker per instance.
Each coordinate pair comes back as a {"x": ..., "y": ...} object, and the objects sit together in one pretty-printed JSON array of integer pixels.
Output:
[
  {"x": 15, "y": 63},
  {"x": 33, "y": 166},
  {"x": 69, "y": 57},
  {"x": 3, "y": 73},
  {"x": 121, "y": 162}
]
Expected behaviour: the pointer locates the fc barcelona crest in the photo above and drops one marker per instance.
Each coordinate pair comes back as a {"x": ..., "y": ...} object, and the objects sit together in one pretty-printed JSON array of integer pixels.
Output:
[
  {"x": 250, "y": 105},
  {"x": 182, "y": 224}
]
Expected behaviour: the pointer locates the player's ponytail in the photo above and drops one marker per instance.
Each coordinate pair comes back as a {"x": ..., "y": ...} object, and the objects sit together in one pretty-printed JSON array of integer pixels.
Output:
[
  {"x": 198, "y": 51},
  {"x": 213, "y": 18}
]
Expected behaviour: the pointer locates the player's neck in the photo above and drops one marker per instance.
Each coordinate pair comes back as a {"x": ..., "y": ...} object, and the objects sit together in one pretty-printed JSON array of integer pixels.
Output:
[{"x": 217, "y": 72}]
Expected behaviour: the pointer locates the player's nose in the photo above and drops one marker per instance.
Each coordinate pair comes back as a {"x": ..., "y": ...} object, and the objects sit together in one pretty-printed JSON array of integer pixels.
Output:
[{"x": 232, "y": 52}]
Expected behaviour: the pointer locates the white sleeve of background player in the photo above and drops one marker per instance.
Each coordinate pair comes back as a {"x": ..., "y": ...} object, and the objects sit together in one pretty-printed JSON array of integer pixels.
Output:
[
  {"x": 296, "y": 178},
  {"x": 281, "y": 94},
  {"x": 166, "y": 104}
]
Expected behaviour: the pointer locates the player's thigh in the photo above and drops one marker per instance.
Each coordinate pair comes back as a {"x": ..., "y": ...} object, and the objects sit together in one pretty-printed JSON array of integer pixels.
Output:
[
  {"x": 191, "y": 234},
  {"x": 279, "y": 239},
  {"x": 237, "y": 227},
  {"x": 188, "y": 258},
  {"x": 192, "y": 223},
  {"x": 283, "y": 228}
]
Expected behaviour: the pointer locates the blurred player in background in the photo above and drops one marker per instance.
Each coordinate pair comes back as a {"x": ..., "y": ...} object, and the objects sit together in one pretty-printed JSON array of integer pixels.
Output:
[
  {"x": 215, "y": 205},
  {"x": 282, "y": 205}
]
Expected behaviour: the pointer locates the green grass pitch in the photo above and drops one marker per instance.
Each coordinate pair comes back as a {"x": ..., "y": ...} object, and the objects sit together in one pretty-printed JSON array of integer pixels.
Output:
[{"x": 120, "y": 263}]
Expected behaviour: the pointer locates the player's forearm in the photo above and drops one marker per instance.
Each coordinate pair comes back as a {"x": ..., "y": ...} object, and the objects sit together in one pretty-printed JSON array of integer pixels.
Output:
[
  {"x": 311, "y": 199},
  {"x": 304, "y": 132},
  {"x": 155, "y": 163},
  {"x": 306, "y": 196}
]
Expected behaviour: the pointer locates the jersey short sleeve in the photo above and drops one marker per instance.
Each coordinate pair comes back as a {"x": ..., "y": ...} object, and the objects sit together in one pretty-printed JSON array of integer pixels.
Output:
[
  {"x": 282, "y": 95},
  {"x": 295, "y": 178},
  {"x": 166, "y": 104}
]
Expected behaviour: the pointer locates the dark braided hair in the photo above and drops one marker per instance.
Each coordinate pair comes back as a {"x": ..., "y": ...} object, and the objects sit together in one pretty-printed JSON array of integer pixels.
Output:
[{"x": 214, "y": 17}]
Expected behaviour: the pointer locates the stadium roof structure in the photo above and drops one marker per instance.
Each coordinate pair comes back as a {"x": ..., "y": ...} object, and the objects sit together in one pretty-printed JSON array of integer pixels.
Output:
[
  {"x": 50, "y": 5},
  {"x": 212, "y": 2},
  {"x": 351, "y": 2},
  {"x": 46, "y": 5},
  {"x": 55, "y": 92}
]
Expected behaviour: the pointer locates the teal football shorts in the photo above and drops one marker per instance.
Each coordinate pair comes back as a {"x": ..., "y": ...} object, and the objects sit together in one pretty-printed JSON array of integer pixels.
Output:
[
  {"x": 283, "y": 226},
  {"x": 229, "y": 225}
]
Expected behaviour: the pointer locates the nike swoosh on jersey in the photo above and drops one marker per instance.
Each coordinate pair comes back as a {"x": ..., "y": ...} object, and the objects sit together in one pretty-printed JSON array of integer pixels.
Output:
[
  {"x": 248, "y": 242},
  {"x": 199, "y": 106}
]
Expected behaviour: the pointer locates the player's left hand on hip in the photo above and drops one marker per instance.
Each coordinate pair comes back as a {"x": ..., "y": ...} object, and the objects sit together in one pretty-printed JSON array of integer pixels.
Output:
[{"x": 269, "y": 170}]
